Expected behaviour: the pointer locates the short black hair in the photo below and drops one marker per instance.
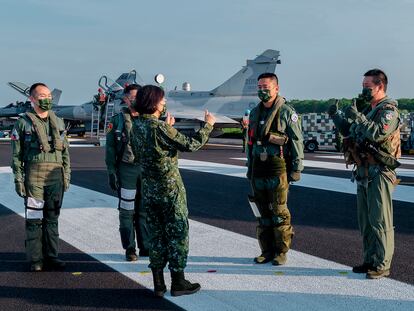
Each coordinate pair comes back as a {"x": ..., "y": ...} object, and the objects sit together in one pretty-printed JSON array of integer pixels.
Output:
[
  {"x": 34, "y": 86},
  {"x": 131, "y": 87},
  {"x": 148, "y": 98},
  {"x": 379, "y": 77},
  {"x": 268, "y": 75}
]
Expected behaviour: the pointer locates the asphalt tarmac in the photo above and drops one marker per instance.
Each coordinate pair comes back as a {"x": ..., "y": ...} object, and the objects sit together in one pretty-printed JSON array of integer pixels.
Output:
[{"x": 324, "y": 222}]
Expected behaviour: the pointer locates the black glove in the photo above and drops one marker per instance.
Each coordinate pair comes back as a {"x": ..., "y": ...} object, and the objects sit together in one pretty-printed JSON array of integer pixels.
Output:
[
  {"x": 66, "y": 184},
  {"x": 20, "y": 188},
  {"x": 351, "y": 112},
  {"x": 294, "y": 176},
  {"x": 332, "y": 110},
  {"x": 113, "y": 181},
  {"x": 361, "y": 104}
]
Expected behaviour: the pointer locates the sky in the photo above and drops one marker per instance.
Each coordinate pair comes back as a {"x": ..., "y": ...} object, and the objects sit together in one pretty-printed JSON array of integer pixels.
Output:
[{"x": 326, "y": 45}]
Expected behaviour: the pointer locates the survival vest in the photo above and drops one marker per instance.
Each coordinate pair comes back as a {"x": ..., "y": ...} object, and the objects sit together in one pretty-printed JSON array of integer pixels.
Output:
[{"x": 36, "y": 138}]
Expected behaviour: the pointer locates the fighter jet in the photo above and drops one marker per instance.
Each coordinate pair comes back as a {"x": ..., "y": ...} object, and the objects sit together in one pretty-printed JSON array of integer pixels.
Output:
[
  {"x": 109, "y": 95},
  {"x": 109, "y": 92},
  {"x": 231, "y": 99},
  {"x": 14, "y": 109},
  {"x": 228, "y": 101}
]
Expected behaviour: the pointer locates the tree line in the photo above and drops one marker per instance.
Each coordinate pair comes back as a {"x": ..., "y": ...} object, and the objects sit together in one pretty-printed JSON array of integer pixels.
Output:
[{"x": 320, "y": 106}]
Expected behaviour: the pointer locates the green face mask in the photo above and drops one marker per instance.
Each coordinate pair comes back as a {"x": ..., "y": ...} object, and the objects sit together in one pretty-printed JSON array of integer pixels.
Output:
[
  {"x": 45, "y": 104},
  {"x": 367, "y": 94},
  {"x": 264, "y": 95}
]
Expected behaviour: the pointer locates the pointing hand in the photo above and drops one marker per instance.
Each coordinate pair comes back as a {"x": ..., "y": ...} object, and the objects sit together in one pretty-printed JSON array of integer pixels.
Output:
[
  {"x": 209, "y": 118},
  {"x": 170, "y": 120}
]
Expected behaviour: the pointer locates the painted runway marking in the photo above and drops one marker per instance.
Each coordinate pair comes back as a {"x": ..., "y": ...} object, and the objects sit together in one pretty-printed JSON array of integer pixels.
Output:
[
  {"x": 403, "y": 172},
  {"x": 343, "y": 185},
  {"x": 402, "y": 160},
  {"x": 89, "y": 222},
  {"x": 82, "y": 145}
]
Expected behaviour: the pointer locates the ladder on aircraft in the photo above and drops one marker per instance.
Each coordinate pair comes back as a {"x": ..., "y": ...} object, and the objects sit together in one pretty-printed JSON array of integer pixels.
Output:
[
  {"x": 100, "y": 117},
  {"x": 95, "y": 120},
  {"x": 110, "y": 111}
]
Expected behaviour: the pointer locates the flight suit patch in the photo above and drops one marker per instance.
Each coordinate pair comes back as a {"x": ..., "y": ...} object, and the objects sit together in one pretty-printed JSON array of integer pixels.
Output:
[
  {"x": 15, "y": 135},
  {"x": 294, "y": 117},
  {"x": 109, "y": 127},
  {"x": 389, "y": 116}
]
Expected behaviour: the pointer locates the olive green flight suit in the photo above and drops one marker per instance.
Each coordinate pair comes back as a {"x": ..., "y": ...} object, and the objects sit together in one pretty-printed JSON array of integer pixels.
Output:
[
  {"x": 120, "y": 160},
  {"x": 376, "y": 181},
  {"x": 268, "y": 167},
  {"x": 41, "y": 160}
]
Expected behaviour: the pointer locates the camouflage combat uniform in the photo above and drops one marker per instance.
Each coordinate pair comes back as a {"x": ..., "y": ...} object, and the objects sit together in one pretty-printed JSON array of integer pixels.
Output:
[
  {"x": 156, "y": 145},
  {"x": 375, "y": 176},
  {"x": 269, "y": 165},
  {"x": 41, "y": 160},
  {"x": 120, "y": 160}
]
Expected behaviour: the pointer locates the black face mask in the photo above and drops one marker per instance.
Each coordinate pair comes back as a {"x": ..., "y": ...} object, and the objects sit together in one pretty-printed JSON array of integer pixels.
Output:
[{"x": 367, "y": 94}]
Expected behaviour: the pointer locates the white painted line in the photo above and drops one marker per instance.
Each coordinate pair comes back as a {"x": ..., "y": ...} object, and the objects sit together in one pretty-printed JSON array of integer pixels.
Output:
[
  {"x": 89, "y": 222},
  {"x": 402, "y": 160},
  {"x": 5, "y": 169},
  {"x": 72, "y": 139},
  {"x": 224, "y": 145},
  {"x": 403, "y": 172},
  {"x": 344, "y": 185},
  {"x": 82, "y": 145}
]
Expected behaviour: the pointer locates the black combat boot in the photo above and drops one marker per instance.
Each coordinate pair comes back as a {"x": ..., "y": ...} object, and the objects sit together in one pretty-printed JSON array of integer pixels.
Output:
[
  {"x": 267, "y": 244},
  {"x": 364, "y": 268},
  {"x": 131, "y": 254},
  {"x": 159, "y": 283},
  {"x": 36, "y": 266},
  {"x": 180, "y": 286},
  {"x": 54, "y": 264}
]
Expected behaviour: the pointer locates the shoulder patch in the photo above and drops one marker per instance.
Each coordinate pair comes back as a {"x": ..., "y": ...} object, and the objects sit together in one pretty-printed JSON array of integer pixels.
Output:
[
  {"x": 389, "y": 115},
  {"x": 109, "y": 127},
  {"x": 14, "y": 135},
  {"x": 294, "y": 117}
]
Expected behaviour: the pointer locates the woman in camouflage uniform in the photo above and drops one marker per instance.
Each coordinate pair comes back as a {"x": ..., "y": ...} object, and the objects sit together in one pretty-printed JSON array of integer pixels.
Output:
[{"x": 155, "y": 144}]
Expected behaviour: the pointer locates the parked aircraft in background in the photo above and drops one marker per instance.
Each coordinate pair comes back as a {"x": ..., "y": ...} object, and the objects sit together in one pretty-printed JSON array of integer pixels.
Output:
[
  {"x": 231, "y": 99},
  {"x": 14, "y": 109},
  {"x": 228, "y": 101}
]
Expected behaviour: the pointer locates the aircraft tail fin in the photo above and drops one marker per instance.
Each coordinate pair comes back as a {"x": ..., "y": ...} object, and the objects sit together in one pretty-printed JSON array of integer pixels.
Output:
[
  {"x": 131, "y": 77},
  {"x": 24, "y": 90},
  {"x": 244, "y": 82},
  {"x": 20, "y": 87},
  {"x": 56, "y": 96}
]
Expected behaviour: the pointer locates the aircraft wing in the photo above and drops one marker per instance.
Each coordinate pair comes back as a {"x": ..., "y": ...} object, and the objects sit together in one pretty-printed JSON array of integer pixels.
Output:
[{"x": 193, "y": 114}]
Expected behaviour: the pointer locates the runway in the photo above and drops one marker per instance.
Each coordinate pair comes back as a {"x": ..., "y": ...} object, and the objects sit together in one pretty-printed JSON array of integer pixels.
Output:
[{"x": 222, "y": 230}]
